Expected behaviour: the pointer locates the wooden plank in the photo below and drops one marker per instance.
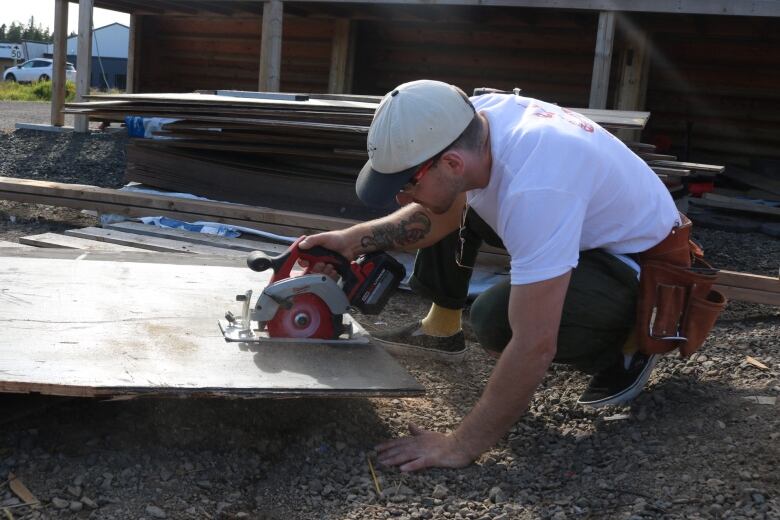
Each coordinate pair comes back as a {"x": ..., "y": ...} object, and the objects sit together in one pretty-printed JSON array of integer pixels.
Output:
[
  {"x": 749, "y": 281},
  {"x": 58, "y": 66},
  {"x": 152, "y": 243},
  {"x": 84, "y": 61},
  {"x": 72, "y": 242},
  {"x": 752, "y": 179},
  {"x": 697, "y": 167},
  {"x": 73, "y": 193},
  {"x": 768, "y": 8},
  {"x": 141, "y": 211},
  {"x": 271, "y": 46},
  {"x": 133, "y": 54},
  {"x": 237, "y": 244},
  {"x": 631, "y": 90},
  {"x": 675, "y": 172},
  {"x": 749, "y": 295},
  {"x": 129, "y": 328},
  {"x": 342, "y": 56},
  {"x": 718, "y": 201},
  {"x": 602, "y": 60}
]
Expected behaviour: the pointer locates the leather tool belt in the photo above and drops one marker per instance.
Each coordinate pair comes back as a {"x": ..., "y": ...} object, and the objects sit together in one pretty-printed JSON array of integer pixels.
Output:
[{"x": 677, "y": 306}]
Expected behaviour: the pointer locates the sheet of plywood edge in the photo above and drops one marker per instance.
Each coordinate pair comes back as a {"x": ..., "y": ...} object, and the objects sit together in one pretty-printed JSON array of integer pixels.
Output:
[
  {"x": 14, "y": 245},
  {"x": 137, "y": 256},
  {"x": 116, "y": 328},
  {"x": 238, "y": 244},
  {"x": 72, "y": 242},
  {"x": 113, "y": 236}
]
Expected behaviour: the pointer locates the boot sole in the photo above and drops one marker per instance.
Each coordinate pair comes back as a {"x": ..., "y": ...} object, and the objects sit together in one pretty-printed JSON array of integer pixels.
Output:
[
  {"x": 401, "y": 349},
  {"x": 629, "y": 393}
]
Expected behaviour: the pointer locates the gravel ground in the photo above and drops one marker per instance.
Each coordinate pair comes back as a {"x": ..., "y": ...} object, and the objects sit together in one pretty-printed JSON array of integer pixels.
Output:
[{"x": 698, "y": 443}]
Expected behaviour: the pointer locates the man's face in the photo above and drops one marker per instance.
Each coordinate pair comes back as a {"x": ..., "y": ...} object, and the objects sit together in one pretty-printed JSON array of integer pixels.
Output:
[{"x": 436, "y": 190}]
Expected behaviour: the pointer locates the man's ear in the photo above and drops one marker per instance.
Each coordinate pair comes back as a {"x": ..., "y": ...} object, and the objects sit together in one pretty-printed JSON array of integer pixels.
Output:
[{"x": 455, "y": 160}]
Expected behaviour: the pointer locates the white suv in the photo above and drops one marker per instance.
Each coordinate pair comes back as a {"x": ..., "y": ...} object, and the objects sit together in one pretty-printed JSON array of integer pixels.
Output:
[{"x": 38, "y": 69}]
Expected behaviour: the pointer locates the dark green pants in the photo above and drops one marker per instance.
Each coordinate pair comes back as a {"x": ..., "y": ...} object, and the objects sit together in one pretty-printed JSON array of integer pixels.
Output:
[{"x": 598, "y": 313}]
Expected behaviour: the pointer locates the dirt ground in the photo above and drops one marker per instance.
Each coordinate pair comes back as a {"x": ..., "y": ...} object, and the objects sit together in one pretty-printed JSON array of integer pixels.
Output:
[{"x": 700, "y": 442}]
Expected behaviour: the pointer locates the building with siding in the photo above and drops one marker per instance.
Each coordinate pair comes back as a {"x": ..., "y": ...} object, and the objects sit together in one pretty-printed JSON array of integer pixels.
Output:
[{"x": 109, "y": 56}]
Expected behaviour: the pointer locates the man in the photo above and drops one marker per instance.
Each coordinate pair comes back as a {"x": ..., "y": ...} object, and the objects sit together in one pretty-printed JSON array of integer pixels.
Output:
[{"x": 571, "y": 205}]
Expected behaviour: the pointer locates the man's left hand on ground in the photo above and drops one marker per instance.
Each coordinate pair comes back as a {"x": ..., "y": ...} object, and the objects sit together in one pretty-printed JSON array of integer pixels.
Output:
[{"x": 423, "y": 449}]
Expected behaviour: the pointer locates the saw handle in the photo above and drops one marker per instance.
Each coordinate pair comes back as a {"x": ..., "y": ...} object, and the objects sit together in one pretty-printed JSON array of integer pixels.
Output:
[{"x": 283, "y": 263}]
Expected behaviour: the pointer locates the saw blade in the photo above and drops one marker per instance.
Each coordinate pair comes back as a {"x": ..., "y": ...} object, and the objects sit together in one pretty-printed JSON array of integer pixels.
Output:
[{"x": 307, "y": 317}]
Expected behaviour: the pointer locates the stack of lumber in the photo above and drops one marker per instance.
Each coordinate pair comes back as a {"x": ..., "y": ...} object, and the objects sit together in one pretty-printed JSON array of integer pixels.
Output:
[
  {"x": 751, "y": 204},
  {"x": 285, "y": 151}
]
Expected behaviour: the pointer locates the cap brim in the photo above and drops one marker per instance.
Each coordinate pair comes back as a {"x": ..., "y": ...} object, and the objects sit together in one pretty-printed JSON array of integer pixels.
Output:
[{"x": 379, "y": 189}]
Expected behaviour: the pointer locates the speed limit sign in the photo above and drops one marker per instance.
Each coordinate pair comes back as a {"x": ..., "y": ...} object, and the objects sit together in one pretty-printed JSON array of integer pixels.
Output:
[{"x": 16, "y": 52}]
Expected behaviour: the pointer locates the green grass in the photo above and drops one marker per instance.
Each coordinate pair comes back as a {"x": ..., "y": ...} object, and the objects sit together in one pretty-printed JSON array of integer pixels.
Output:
[{"x": 40, "y": 91}]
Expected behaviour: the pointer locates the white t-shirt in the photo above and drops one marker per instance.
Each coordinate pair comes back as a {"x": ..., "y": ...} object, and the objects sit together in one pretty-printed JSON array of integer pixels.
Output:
[{"x": 561, "y": 184}]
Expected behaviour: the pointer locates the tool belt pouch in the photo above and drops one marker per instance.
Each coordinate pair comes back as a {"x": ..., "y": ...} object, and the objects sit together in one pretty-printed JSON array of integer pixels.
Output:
[{"x": 677, "y": 306}]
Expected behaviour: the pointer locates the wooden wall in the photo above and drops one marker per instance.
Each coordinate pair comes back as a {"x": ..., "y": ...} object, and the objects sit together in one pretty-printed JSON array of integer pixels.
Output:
[
  {"x": 714, "y": 83},
  {"x": 182, "y": 54},
  {"x": 547, "y": 53}
]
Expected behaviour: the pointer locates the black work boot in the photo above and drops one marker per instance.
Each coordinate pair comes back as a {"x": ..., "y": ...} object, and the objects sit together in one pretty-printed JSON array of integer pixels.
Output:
[
  {"x": 620, "y": 382},
  {"x": 410, "y": 340}
]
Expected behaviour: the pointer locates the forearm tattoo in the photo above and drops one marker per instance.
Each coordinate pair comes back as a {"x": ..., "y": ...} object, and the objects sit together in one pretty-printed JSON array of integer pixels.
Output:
[{"x": 391, "y": 236}]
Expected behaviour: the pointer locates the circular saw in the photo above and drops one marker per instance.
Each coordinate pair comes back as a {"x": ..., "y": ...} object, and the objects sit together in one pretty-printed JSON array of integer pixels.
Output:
[{"x": 309, "y": 306}]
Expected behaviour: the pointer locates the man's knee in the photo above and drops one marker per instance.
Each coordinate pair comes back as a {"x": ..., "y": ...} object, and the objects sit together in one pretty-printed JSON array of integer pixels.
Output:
[{"x": 489, "y": 320}]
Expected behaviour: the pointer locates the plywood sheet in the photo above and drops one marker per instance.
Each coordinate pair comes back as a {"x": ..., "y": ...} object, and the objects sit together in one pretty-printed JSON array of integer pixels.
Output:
[{"x": 71, "y": 326}]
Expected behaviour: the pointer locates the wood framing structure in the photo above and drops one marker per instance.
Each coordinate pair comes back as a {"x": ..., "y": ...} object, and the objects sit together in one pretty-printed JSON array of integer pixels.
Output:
[{"x": 691, "y": 63}]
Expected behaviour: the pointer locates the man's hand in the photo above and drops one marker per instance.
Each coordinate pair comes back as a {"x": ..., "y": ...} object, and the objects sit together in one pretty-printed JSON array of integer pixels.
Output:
[
  {"x": 423, "y": 449},
  {"x": 335, "y": 241}
]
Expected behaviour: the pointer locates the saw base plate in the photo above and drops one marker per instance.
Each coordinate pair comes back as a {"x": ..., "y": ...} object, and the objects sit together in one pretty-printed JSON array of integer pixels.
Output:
[{"x": 355, "y": 335}]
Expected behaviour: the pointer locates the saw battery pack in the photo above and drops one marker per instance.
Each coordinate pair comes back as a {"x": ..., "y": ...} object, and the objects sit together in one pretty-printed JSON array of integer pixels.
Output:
[{"x": 378, "y": 275}]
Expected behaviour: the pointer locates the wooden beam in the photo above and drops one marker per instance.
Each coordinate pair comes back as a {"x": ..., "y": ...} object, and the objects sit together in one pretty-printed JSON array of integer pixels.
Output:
[
  {"x": 342, "y": 57},
  {"x": 58, "y": 67},
  {"x": 133, "y": 53},
  {"x": 749, "y": 287},
  {"x": 602, "y": 61},
  {"x": 144, "y": 204},
  {"x": 768, "y": 8},
  {"x": 632, "y": 85},
  {"x": 271, "y": 46},
  {"x": 84, "y": 60}
]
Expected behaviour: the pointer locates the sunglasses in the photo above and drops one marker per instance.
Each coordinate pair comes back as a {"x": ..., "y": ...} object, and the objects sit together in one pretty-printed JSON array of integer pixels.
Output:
[
  {"x": 420, "y": 173},
  {"x": 462, "y": 240}
]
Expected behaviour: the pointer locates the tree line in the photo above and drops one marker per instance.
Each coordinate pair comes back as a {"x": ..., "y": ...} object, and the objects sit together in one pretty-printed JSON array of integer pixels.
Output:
[{"x": 17, "y": 32}]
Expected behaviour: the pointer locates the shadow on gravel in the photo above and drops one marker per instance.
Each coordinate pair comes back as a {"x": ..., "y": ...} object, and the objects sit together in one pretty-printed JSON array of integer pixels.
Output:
[{"x": 73, "y": 425}]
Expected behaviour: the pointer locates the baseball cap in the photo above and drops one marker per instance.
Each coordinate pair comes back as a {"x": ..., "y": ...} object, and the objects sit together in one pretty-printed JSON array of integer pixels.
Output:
[{"x": 412, "y": 124}]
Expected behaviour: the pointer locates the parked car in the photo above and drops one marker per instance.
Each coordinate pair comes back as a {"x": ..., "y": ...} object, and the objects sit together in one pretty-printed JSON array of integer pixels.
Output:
[{"x": 39, "y": 69}]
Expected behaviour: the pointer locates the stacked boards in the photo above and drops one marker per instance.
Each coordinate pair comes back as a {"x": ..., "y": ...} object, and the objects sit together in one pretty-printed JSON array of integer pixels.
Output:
[{"x": 284, "y": 151}]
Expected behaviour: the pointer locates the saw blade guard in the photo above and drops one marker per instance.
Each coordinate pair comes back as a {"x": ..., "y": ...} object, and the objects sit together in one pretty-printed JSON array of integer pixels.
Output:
[{"x": 307, "y": 317}]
